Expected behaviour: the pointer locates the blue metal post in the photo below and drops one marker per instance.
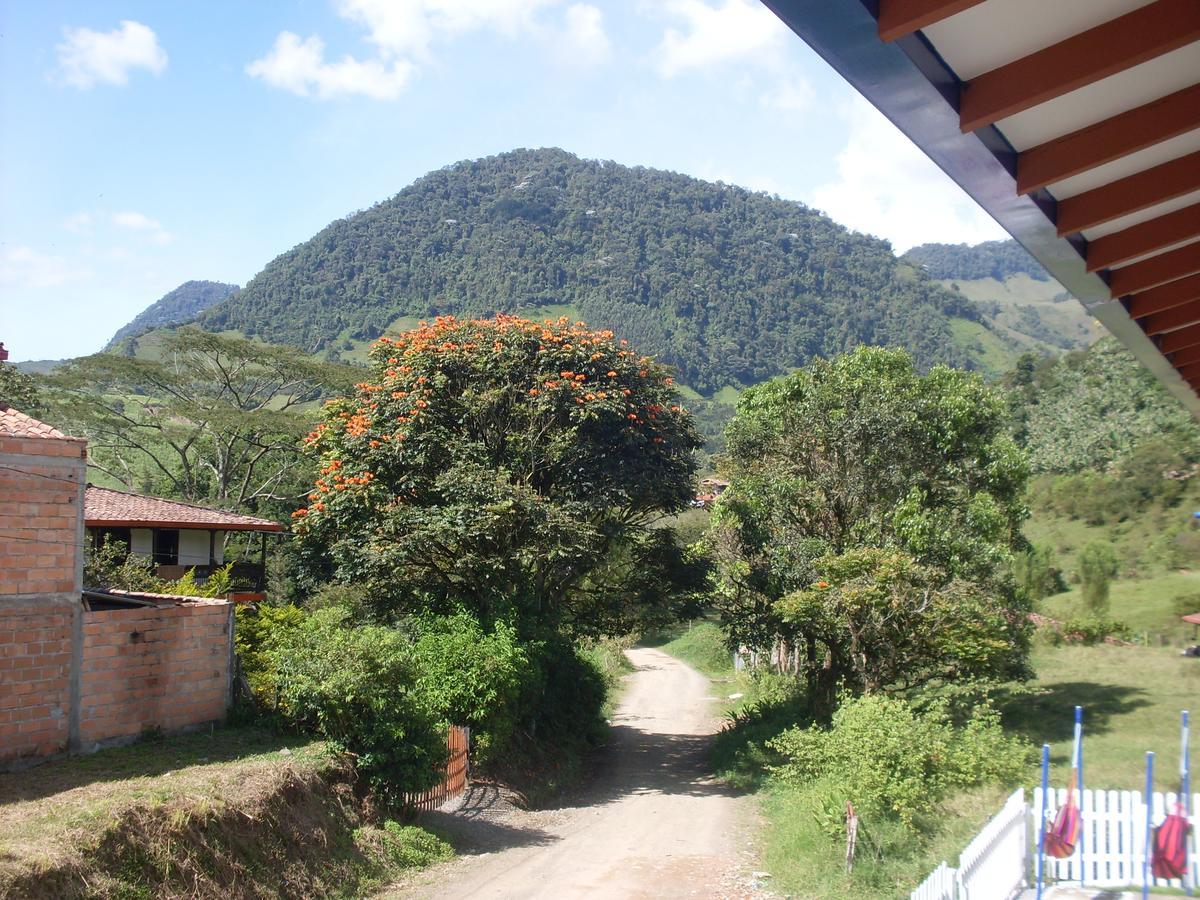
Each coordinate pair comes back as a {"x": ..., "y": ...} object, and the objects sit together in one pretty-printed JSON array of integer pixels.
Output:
[
  {"x": 1149, "y": 798},
  {"x": 1185, "y": 785},
  {"x": 1041, "y": 854},
  {"x": 1083, "y": 821}
]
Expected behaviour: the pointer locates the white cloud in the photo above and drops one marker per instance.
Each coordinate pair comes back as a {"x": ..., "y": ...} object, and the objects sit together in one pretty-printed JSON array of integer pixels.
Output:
[
  {"x": 22, "y": 266},
  {"x": 300, "y": 67},
  {"x": 889, "y": 188},
  {"x": 87, "y": 57},
  {"x": 710, "y": 35},
  {"x": 78, "y": 223},
  {"x": 582, "y": 41},
  {"x": 140, "y": 222},
  {"x": 409, "y": 27},
  {"x": 789, "y": 95},
  {"x": 403, "y": 33}
]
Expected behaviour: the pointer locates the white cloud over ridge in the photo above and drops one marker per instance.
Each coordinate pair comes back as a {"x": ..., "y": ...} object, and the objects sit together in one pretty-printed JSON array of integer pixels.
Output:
[
  {"x": 889, "y": 188},
  {"x": 87, "y": 58},
  {"x": 582, "y": 41},
  {"x": 143, "y": 224},
  {"x": 404, "y": 32},
  {"x": 709, "y": 35},
  {"x": 299, "y": 66}
]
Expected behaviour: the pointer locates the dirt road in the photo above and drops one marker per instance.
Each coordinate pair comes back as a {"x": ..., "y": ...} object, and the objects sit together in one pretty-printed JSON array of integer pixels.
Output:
[{"x": 652, "y": 826}]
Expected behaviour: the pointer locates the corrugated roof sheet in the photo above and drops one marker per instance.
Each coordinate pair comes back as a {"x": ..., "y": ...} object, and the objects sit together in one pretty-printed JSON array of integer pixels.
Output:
[
  {"x": 15, "y": 423},
  {"x": 104, "y": 506}
]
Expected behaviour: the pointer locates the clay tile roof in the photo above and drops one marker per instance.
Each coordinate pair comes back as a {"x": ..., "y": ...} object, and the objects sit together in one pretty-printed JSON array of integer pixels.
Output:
[
  {"x": 106, "y": 507},
  {"x": 14, "y": 423}
]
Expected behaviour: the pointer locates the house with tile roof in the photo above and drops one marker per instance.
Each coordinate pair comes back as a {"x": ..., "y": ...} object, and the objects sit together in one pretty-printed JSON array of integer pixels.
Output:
[
  {"x": 80, "y": 670},
  {"x": 176, "y": 536}
]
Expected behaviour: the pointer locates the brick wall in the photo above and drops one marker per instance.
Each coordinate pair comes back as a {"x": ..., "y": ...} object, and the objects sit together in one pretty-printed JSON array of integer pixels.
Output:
[
  {"x": 164, "y": 667},
  {"x": 41, "y": 527},
  {"x": 35, "y": 679},
  {"x": 41, "y": 515}
]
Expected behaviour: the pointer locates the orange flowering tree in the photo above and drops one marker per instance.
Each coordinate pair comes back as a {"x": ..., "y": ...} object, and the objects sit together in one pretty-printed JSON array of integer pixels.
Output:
[{"x": 511, "y": 469}]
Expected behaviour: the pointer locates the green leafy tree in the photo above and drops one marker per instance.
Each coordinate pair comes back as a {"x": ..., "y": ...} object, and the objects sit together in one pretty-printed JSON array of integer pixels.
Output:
[
  {"x": 877, "y": 621},
  {"x": 18, "y": 390},
  {"x": 861, "y": 453},
  {"x": 1097, "y": 567},
  {"x": 1036, "y": 573},
  {"x": 213, "y": 419},
  {"x": 510, "y": 470}
]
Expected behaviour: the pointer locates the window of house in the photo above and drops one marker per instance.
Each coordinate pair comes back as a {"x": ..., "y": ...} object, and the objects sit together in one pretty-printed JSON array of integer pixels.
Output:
[{"x": 166, "y": 546}]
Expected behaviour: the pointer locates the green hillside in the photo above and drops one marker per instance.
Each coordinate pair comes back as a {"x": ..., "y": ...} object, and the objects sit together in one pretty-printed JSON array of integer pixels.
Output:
[
  {"x": 728, "y": 286},
  {"x": 991, "y": 259},
  {"x": 181, "y": 305}
]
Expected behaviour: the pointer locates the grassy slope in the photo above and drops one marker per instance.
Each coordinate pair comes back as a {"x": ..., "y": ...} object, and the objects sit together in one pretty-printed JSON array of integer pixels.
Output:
[
  {"x": 229, "y": 813},
  {"x": 1065, "y": 316}
]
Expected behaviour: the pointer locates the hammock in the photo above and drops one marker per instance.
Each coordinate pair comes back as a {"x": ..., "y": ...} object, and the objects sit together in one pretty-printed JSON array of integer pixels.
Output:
[
  {"x": 1063, "y": 835},
  {"x": 1168, "y": 857}
]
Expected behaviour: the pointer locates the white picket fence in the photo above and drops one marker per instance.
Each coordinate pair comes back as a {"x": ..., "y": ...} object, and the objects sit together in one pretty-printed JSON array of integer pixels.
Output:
[
  {"x": 1113, "y": 844},
  {"x": 993, "y": 865},
  {"x": 1000, "y": 860}
]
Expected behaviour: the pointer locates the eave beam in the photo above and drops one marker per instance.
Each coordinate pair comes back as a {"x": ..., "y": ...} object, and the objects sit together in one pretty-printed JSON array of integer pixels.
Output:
[
  {"x": 1107, "y": 49},
  {"x": 1101, "y": 143},
  {"x": 898, "y": 18},
  {"x": 1138, "y": 240},
  {"x": 1129, "y": 195},
  {"x": 1155, "y": 271},
  {"x": 1175, "y": 293}
]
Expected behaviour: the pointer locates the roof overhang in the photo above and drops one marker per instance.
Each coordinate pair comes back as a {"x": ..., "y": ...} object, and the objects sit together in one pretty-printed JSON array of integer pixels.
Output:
[
  {"x": 1075, "y": 124},
  {"x": 183, "y": 526}
]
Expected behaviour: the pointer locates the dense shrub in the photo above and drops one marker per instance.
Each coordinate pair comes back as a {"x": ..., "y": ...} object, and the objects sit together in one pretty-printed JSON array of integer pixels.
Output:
[
  {"x": 1036, "y": 573},
  {"x": 257, "y": 631},
  {"x": 355, "y": 687},
  {"x": 469, "y": 677},
  {"x": 895, "y": 763},
  {"x": 1089, "y": 631},
  {"x": 1097, "y": 567},
  {"x": 111, "y": 565}
]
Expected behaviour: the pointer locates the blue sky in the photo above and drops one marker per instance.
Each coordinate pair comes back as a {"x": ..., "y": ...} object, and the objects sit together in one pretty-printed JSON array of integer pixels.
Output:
[{"x": 143, "y": 144}]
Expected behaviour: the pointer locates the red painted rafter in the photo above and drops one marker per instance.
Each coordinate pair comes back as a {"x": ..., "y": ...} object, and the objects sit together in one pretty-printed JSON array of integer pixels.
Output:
[
  {"x": 1102, "y": 142},
  {"x": 1133, "y": 38},
  {"x": 1129, "y": 195},
  {"x": 1180, "y": 340},
  {"x": 1186, "y": 357},
  {"x": 1172, "y": 319},
  {"x": 898, "y": 18},
  {"x": 1155, "y": 300},
  {"x": 1156, "y": 270},
  {"x": 1138, "y": 240}
]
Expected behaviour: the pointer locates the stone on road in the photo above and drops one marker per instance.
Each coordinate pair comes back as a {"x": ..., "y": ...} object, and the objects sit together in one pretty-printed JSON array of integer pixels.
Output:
[{"x": 652, "y": 825}]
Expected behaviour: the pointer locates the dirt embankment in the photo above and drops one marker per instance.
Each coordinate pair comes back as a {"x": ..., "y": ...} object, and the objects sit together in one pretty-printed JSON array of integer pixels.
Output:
[{"x": 200, "y": 818}]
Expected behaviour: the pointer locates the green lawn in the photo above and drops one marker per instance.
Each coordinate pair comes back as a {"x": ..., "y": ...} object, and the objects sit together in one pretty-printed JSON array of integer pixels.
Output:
[
  {"x": 1131, "y": 698},
  {"x": 1146, "y": 605}
]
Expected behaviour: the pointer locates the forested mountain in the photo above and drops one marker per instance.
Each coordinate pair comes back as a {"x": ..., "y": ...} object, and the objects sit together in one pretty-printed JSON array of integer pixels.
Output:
[
  {"x": 991, "y": 259},
  {"x": 1090, "y": 409},
  {"x": 180, "y": 305},
  {"x": 727, "y": 285}
]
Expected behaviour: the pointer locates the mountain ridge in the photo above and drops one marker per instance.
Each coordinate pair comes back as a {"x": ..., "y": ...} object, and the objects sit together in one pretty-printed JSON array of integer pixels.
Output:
[
  {"x": 177, "y": 307},
  {"x": 727, "y": 285}
]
